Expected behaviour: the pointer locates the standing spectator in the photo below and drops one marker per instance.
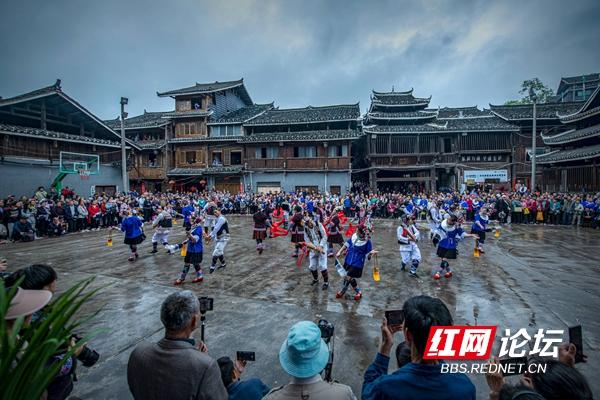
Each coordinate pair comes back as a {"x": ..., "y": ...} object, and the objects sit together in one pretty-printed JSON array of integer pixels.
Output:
[
  {"x": 303, "y": 355},
  {"x": 517, "y": 211},
  {"x": 577, "y": 212},
  {"x": 58, "y": 211},
  {"x": 82, "y": 216},
  {"x": 94, "y": 215},
  {"x": 12, "y": 212},
  {"x": 41, "y": 194},
  {"x": 420, "y": 379},
  {"x": 175, "y": 367},
  {"x": 71, "y": 215}
]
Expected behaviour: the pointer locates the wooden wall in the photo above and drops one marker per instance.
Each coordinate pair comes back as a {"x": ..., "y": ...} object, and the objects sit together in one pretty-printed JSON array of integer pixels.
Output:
[
  {"x": 187, "y": 128},
  {"x": 17, "y": 146}
]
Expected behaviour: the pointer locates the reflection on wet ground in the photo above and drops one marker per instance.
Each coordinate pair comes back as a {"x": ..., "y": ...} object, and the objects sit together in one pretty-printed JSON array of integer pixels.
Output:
[{"x": 532, "y": 276}]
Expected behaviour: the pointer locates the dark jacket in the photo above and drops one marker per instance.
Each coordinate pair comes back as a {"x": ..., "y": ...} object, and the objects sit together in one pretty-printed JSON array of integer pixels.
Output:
[
  {"x": 174, "y": 370},
  {"x": 69, "y": 214},
  {"x": 414, "y": 381},
  {"x": 251, "y": 389}
]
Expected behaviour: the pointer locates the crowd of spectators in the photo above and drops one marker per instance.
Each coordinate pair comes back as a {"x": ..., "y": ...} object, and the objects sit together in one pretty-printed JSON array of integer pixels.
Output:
[
  {"x": 179, "y": 366},
  {"x": 47, "y": 214}
]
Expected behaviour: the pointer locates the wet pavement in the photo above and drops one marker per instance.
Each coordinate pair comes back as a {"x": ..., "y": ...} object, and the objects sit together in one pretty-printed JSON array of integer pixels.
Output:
[{"x": 531, "y": 277}]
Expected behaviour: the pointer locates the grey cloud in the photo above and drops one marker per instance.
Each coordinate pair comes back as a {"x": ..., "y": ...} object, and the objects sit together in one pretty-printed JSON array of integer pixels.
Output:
[{"x": 294, "y": 52}]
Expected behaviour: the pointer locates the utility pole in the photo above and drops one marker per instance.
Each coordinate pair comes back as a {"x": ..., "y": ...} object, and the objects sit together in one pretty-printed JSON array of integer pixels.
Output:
[
  {"x": 124, "y": 101},
  {"x": 533, "y": 97}
]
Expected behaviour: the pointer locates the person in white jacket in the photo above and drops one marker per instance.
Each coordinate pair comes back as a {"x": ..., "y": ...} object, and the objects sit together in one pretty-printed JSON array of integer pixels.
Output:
[
  {"x": 408, "y": 235},
  {"x": 315, "y": 238},
  {"x": 433, "y": 217}
]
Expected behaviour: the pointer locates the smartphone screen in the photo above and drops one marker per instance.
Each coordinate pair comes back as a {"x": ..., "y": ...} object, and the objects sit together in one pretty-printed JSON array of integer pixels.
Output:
[
  {"x": 513, "y": 366},
  {"x": 246, "y": 355},
  {"x": 576, "y": 337},
  {"x": 394, "y": 317}
]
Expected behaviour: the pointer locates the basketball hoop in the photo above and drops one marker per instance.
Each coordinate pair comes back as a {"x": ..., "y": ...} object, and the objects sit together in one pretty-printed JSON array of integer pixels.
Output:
[{"x": 84, "y": 174}]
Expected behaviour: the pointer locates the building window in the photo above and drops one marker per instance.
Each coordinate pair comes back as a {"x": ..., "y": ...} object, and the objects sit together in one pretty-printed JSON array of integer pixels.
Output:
[
  {"x": 153, "y": 160},
  {"x": 447, "y": 145},
  {"x": 267, "y": 152},
  {"x": 217, "y": 159},
  {"x": 233, "y": 130},
  {"x": 305, "y": 151},
  {"x": 338, "y": 151},
  {"x": 335, "y": 189},
  {"x": 236, "y": 158},
  {"x": 196, "y": 103},
  {"x": 190, "y": 157}
]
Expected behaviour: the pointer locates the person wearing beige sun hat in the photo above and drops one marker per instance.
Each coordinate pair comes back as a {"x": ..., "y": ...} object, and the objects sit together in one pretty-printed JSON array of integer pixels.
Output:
[{"x": 24, "y": 304}]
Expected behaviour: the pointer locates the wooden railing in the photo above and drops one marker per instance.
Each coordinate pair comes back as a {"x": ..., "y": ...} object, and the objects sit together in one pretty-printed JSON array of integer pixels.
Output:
[
  {"x": 147, "y": 173},
  {"x": 308, "y": 163},
  {"x": 266, "y": 163},
  {"x": 408, "y": 160}
]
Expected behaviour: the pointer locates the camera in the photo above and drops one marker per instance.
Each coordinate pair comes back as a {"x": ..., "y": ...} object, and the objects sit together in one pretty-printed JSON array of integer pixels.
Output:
[
  {"x": 326, "y": 328},
  {"x": 88, "y": 357},
  {"x": 206, "y": 304}
]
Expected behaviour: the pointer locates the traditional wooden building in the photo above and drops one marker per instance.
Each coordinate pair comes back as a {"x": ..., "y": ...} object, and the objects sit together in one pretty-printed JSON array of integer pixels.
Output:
[
  {"x": 301, "y": 148},
  {"x": 35, "y": 127},
  {"x": 577, "y": 88},
  {"x": 199, "y": 157},
  {"x": 147, "y": 168},
  {"x": 411, "y": 145},
  {"x": 548, "y": 123},
  {"x": 572, "y": 160}
]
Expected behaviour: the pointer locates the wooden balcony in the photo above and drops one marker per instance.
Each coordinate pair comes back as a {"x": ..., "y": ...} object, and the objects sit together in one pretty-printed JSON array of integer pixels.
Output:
[
  {"x": 306, "y": 163},
  {"x": 265, "y": 163},
  {"x": 147, "y": 173}
]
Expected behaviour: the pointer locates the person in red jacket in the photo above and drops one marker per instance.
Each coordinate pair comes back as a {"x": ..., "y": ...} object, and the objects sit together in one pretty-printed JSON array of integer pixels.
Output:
[{"x": 94, "y": 215}]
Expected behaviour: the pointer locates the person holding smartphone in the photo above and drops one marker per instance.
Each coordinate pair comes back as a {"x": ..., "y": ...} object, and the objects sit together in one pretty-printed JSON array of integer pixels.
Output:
[
  {"x": 419, "y": 379},
  {"x": 231, "y": 372}
]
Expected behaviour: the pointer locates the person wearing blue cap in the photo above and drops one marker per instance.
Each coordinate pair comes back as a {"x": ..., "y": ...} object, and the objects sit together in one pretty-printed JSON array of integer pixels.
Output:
[{"x": 303, "y": 355}]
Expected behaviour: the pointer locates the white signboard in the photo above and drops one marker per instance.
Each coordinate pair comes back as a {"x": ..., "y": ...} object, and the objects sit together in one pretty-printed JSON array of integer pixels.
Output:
[{"x": 480, "y": 176}]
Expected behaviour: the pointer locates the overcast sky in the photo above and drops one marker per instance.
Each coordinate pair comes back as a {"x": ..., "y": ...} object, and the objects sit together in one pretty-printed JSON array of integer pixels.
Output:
[{"x": 296, "y": 53}]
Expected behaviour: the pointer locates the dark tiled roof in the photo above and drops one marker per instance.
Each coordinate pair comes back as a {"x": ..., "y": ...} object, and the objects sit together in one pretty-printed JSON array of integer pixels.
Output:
[
  {"x": 186, "y": 114},
  {"x": 304, "y": 136},
  {"x": 398, "y": 98},
  {"x": 53, "y": 135},
  {"x": 310, "y": 114},
  {"x": 484, "y": 123},
  {"x": 573, "y": 135},
  {"x": 455, "y": 112},
  {"x": 525, "y": 111},
  {"x": 581, "y": 78},
  {"x": 478, "y": 124},
  {"x": 403, "y": 115},
  {"x": 145, "y": 120},
  {"x": 589, "y": 108},
  {"x": 581, "y": 153},
  {"x": 204, "y": 171},
  {"x": 199, "y": 88},
  {"x": 150, "y": 144},
  {"x": 194, "y": 139},
  {"x": 34, "y": 93},
  {"x": 243, "y": 114}
]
